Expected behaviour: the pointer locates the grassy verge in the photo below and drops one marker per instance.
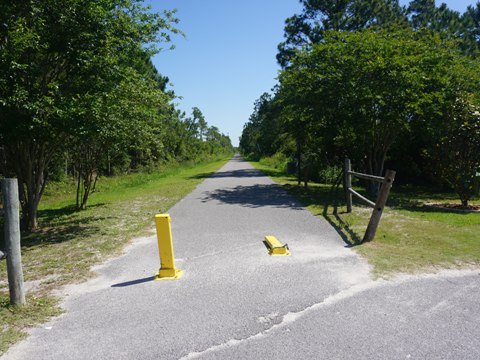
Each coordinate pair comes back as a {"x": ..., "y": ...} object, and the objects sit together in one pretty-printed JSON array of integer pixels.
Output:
[
  {"x": 70, "y": 242},
  {"x": 412, "y": 237},
  {"x": 15, "y": 319}
]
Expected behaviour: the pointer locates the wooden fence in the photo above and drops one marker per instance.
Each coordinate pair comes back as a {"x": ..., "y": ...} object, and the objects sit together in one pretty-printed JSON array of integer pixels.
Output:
[{"x": 378, "y": 205}]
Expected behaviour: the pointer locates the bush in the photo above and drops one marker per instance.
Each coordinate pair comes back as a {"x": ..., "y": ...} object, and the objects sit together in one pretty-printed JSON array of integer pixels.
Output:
[
  {"x": 277, "y": 161},
  {"x": 330, "y": 174}
]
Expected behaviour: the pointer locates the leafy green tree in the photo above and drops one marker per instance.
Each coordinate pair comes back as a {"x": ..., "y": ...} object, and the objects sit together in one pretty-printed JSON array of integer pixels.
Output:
[
  {"x": 391, "y": 92},
  {"x": 199, "y": 119},
  {"x": 456, "y": 155},
  {"x": 262, "y": 133},
  {"x": 471, "y": 30},
  {"x": 185, "y": 141},
  {"x": 52, "y": 52},
  {"x": 319, "y": 16},
  {"x": 423, "y": 13},
  {"x": 309, "y": 26},
  {"x": 361, "y": 90},
  {"x": 125, "y": 120},
  {"x": 249, "y": 139},
  {"x": 465, "y": 28}
]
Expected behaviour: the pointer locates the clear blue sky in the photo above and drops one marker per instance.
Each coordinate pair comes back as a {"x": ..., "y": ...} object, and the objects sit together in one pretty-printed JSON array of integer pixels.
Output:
[{"x": 227, "y": 59}]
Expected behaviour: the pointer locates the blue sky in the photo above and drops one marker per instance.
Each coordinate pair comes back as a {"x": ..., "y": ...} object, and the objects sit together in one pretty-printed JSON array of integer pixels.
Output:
[{"x": 227, "y": 59}]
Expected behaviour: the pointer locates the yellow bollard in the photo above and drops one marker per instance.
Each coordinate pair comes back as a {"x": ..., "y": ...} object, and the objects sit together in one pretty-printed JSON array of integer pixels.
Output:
[{"x": 165, "y": 249}]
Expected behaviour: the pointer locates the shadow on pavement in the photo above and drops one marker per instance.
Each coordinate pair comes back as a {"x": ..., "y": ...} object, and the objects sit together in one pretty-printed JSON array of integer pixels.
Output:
[
  {"x": 254, "y": 196},
  {"x": 245, "y": 173}
]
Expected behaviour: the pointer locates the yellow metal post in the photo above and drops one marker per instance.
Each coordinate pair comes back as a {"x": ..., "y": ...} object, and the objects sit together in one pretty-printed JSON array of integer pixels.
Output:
[{"x": 165, "y": 249}]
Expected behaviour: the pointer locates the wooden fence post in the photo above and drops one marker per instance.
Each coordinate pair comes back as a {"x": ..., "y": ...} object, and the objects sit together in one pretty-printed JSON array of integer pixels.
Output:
[
  {"x": 348, "y": 184},
  {"x": 12, "y": 241},
  {"x": 379, "y": 205}
]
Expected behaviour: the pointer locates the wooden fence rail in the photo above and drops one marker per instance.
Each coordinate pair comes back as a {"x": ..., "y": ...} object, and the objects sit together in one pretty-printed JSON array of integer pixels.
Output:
[{"x": 378, "y": 205}]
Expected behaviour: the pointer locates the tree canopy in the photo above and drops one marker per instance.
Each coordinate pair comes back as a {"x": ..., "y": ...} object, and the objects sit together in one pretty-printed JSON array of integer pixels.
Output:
[
  {"x": 378, "y": 83},
  {"x": 319, "y": 16},
  {"x": 78, "y": 89}
]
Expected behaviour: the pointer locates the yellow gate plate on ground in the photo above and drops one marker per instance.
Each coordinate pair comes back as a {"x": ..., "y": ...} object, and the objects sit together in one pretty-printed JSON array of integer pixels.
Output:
[{"x": 275, "y": 247}]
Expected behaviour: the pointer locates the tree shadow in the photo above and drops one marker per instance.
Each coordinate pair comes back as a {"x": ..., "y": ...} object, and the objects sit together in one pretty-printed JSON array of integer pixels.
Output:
[
  {"x": 417, "y": 199},
  {"x": 255, "y": 196},
  {"x": 48, "y": 216},
  {"x": 327, "y": 197},
  {"x": 63, "y": 215},
  {"x": 245, "y": 173},
  {"x": 60, "y": 233},
  {"x": 423, "y": 208},
  {"x": 61, "y": 225}
]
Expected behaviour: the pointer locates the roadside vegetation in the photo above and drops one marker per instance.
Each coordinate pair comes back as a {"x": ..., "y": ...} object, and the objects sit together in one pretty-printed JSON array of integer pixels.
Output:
[
  {"x": 70, "y": 242},
  {"x": 413, "y": 235},
  {"x": 381, "y": 84},
  {"x": 388, "y": 87}
]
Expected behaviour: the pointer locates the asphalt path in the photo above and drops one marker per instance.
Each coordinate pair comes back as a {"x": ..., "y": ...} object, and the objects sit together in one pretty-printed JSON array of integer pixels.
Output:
[{"x": 234, "y": 301}]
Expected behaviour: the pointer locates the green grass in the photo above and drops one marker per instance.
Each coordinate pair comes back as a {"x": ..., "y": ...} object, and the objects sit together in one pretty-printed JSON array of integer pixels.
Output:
[
  {"x": 411, "y": 237},
  {"x": 70, "y": 242},
  {"x": 15, "y": 319}
]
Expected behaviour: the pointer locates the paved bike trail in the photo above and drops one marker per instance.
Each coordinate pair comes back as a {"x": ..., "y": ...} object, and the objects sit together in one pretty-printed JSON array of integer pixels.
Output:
[{"x": 236, "y": 302}]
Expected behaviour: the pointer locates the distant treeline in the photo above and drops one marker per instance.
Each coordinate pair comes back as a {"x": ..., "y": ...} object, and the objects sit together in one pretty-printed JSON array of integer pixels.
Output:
[
  {"x": 79, "y": 95},
  {"x": 381, "y": 84}
]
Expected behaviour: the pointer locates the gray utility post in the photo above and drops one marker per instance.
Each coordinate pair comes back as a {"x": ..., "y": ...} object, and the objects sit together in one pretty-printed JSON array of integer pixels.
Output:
[{"x": 12, "y": 241}]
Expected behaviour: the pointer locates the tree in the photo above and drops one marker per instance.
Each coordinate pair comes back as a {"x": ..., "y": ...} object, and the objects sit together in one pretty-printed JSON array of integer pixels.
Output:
[
  {"x": 199, "y": 119},
  {"x": 124, "y": 120},
  {"x": 465, "y": 28},
  {"x": 456, "y": 156},
  {"x": 51, "y": 50},
  {"x": 265, "y": 120},
  {"x": 361, "y": 91},
  {"x": 471, "y": 30},
  {"x": 319, "y": 16},
  {"x": 249, "y": 139}
]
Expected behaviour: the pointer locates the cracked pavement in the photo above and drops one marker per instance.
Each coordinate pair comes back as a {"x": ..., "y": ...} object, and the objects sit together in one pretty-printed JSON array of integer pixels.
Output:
[{"x": 236, "y": 302}]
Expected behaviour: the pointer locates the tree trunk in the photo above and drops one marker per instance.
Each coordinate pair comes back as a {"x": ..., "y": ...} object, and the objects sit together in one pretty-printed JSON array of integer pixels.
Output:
[
  {"x": 464, "y": 195},
  {"x": 87, "y": 173},
  {"x": 32, "y": 221},
  {"x": 375, "y": 164},
  {"x": 29, "y": 161},
  {"x": 109, "y": 165},
  {"x": 87, "y": 185},
  {"x": 305, "y": 177},
  {"x": 79, "y": 182},
  {"x": 299, "y": 163}
]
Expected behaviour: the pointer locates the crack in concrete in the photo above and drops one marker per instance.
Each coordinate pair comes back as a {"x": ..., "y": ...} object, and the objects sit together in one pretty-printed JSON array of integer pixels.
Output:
[{"x": 289, "y": 318}]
